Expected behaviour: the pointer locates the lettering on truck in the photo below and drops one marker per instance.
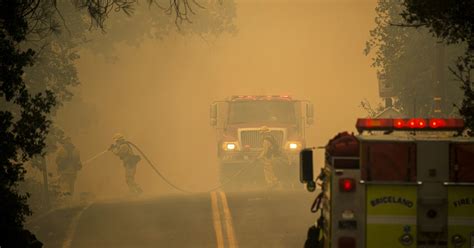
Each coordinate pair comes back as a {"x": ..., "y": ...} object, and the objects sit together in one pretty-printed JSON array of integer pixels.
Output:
[
  {"x": 462, "y": 202},
  {"x": 391, "y": 200}
]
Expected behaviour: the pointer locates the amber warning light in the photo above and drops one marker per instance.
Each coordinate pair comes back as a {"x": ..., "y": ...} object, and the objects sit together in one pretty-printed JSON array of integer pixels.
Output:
[{"x": 420, "y": 124}]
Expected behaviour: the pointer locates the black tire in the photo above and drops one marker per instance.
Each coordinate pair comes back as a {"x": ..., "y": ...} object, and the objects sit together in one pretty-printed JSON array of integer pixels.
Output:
[{"x": 312, "y": 239}]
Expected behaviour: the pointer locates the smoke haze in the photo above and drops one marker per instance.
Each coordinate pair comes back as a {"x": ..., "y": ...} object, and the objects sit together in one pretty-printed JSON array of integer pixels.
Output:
[{"x": 158, "y": 94}]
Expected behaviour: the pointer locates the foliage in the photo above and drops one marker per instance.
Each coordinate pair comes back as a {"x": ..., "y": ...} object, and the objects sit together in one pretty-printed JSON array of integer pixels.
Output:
[
  {"x": 206, "y": 19},
  {"x": 22, "y": 131},
  {"x": 36, "y": 75},
  {"x": 453, "y": 22},
  {"x": 33, "y": 184},
  {"x": 406, "y": 61}
]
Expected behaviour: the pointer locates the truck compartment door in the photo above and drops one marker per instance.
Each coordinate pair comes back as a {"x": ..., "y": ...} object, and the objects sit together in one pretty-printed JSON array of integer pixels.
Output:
[
  {"x": 388, "y": 161},
  {"x": 461, "y": 196},
  {"x": 391, "y": 215}
]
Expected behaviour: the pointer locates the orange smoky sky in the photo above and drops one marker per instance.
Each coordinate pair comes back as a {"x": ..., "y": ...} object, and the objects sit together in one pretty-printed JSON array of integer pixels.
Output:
[{"x": 158, "y": 93}]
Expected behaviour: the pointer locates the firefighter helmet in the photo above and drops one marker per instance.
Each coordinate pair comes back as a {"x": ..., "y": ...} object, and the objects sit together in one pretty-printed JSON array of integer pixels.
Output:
[
  {"x": 264, "y": 129},
  {"x": 65, "y": 141},
  {"x": 117, "y": 136}
]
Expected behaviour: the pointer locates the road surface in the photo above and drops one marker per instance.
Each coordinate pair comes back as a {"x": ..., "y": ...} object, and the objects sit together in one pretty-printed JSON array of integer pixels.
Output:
[{"x": 215, "y": 219}]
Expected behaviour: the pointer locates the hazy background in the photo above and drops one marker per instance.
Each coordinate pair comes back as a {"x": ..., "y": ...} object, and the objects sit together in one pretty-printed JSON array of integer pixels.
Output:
[{"x": 158, "y": 94}]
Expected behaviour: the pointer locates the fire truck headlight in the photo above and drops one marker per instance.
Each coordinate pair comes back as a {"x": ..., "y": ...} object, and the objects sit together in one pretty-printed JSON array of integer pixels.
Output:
[
  {"x": 229, "y": 146},
  {"x": 458, "y": 240},
  {"x": 293, "y": 145},
  {"x": 406, "y": 239}
]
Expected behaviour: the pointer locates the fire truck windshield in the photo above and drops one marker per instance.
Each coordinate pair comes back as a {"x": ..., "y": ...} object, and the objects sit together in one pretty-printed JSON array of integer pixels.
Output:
[{"x": 262, "y": 112}]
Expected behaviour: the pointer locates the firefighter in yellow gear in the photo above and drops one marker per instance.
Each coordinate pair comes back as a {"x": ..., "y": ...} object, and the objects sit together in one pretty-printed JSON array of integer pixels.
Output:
[
  {"x": 269, "y": 153},
  {"x": 124, "y": 151},
  {"x": 68, "y": 164}
]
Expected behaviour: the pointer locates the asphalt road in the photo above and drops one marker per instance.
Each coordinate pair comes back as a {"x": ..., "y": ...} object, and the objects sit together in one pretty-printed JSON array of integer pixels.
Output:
[{"x": 216, "y": 219}]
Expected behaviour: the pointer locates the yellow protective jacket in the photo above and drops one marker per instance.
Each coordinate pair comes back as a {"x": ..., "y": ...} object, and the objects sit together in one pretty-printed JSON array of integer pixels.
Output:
[
  {"x": 124, "y": 151},
  {"x": 270, "y": 147}
]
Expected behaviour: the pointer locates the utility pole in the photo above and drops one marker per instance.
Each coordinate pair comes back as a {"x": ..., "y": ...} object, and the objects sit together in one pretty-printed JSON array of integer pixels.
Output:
[{"x": 439, "y": 79}]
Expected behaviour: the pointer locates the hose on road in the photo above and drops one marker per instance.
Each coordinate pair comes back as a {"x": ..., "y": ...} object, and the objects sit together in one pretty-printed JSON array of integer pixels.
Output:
[
  {"x": 166, "y": 180},
  {"x": 230, "y": 179}
]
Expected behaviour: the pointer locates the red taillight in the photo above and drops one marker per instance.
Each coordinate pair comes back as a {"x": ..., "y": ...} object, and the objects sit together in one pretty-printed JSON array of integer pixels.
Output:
[
  {"x": 347, "y": 184},
  {"x": 346, "y": 242}
]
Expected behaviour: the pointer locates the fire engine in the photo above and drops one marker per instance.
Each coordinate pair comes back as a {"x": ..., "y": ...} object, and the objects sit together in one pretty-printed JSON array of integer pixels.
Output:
[
  {"x": 397, "y": 183},
  {"x": 238, "y": 121}
]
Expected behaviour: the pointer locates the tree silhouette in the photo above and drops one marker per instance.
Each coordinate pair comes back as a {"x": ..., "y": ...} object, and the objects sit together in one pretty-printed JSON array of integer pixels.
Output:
[
  {"x": 29, "y": 94},
  {"x": 453, "y": 22},
  {"x": 408, "y": 63}
]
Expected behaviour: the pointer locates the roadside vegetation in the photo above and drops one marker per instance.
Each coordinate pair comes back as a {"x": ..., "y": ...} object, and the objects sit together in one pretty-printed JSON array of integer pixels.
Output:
[
  {"x": 39, "y": 44},
  {"x": 424, "y": 49}
]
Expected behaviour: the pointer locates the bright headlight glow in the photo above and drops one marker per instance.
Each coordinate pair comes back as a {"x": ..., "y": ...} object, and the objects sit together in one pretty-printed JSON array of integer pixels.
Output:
[
  {"x": 230, "y": 146},
  {"x": 293, "y": 145}
]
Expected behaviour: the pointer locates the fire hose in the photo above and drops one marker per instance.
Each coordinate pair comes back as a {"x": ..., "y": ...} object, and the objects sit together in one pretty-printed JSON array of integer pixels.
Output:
[
  {"x": 95, "y": 157},
  {"x": 165, "y": 179},
  {"x": 181, "y": 189}
]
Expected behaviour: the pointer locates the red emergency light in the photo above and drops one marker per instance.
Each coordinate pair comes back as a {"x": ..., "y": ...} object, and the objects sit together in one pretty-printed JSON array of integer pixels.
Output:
[
  {"x": 398, "y": 123},
  {"x": 260, "y": 97},
  {"x": 436, "y": 123},
  {"x": 242, "y": 97},
  {"x": 418, "y": 124}
]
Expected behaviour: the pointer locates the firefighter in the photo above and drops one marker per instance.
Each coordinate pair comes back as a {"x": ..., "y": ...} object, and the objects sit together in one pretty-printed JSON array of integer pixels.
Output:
[
  {"x": 124, "y": 151},
  {"x": 271, "y": 151},
  {"x": 68, "y": 163}
]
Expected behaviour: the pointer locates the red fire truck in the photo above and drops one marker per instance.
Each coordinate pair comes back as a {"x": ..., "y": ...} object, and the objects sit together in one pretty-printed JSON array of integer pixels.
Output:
[
  {"x": 238, "y": 121},
  {"x": 398, "y": 183}
]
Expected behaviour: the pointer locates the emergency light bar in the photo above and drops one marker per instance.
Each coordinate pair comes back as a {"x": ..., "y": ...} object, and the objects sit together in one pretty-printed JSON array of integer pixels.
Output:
[
  {"x": 261, "y": 97},
  {"x": 418, "y": 124}
]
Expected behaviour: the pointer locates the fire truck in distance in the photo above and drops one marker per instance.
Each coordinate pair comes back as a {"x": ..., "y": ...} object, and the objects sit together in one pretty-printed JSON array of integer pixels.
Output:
[
  {"x": 398, "y": 183},
  {"x": 238, "y": 121}
]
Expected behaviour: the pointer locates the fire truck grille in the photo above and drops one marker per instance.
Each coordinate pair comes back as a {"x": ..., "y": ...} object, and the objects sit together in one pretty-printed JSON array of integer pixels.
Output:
[{"x": 253, "y": 138}]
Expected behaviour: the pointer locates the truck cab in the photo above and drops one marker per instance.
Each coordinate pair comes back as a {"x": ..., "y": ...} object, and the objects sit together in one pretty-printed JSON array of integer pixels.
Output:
[{"x": 238, "y": 121}]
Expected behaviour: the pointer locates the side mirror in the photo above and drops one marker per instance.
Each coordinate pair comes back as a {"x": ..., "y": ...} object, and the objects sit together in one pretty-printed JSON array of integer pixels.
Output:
[
  {"x": 309, "y": 114},
  {"x": 306, "y": 169},
  {"x": 213, "y": 114}
]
